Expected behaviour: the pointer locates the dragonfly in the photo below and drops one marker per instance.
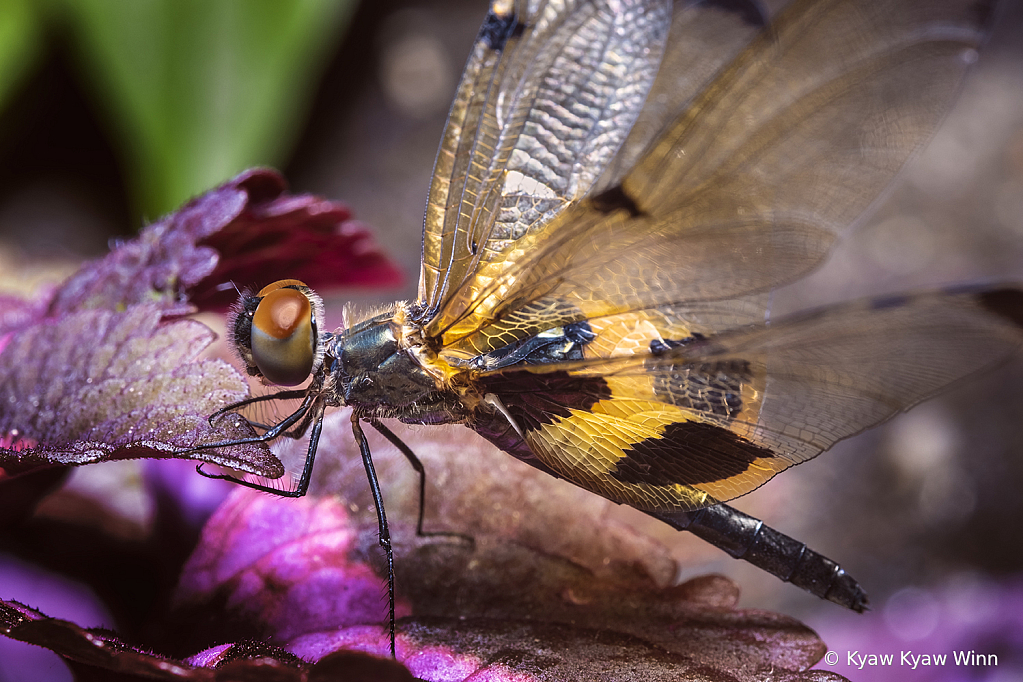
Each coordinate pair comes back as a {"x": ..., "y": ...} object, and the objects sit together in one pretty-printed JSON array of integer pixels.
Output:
[{"x": 619, "y": 187}]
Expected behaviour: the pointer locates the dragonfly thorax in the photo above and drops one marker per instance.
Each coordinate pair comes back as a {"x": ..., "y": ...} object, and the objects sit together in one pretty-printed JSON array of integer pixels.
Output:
[{"x": 373, "y": 370}]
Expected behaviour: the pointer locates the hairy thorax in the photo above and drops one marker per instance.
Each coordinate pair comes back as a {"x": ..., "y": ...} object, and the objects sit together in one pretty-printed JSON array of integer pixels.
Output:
[{"x": 385, "y": 370}]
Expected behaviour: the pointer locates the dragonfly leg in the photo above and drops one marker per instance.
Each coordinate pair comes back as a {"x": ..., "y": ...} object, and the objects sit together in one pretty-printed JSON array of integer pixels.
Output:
[
  {"x": 417, "y": 464},
  {"x": 307, "y": 470},
  {"x": 384, "y": 534},
  {"x": 280, "y": 395}
]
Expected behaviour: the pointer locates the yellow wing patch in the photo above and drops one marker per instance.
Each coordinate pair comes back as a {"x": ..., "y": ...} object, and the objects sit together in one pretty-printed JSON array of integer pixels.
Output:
[
  {"x": 631, "y": 334},
  {"x": 721, "y": 415},
  {"x": 746, "y": 187},
  {"x": 651, "y": 455}
]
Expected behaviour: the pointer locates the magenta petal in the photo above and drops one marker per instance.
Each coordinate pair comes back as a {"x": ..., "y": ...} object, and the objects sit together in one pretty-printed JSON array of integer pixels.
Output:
[{"x": 283, "y": 567}]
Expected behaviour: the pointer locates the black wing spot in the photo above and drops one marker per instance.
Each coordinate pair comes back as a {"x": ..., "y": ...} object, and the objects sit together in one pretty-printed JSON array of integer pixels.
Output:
[
  {"x": 1006, "y": 302},
  {"x": 614, "y": 199},
  {"x": 497, "y": 30},
  {"x": 688, "y": 453},
  {"x": 708, "y": 387},
  {"x": 537, "y": 399}
]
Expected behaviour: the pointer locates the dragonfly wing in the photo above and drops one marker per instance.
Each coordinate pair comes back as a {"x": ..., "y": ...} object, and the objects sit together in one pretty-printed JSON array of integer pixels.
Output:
[
  {"x": 684, "y": 422},
  {"x": 548, "y": 95},
  {"x": 704, "y": 38},
  {"x": 746, "y": 189}
]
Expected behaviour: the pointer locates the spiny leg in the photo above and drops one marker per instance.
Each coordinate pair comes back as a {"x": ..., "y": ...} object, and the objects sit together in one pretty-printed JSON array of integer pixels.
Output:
[
  {"x": 274, "y": 432},
  {"x": 382, "y": 531},
  {"x": 303, "y": 483},
  {"x": 280, "y": 395},
  {"x": 417, "y": 464}
]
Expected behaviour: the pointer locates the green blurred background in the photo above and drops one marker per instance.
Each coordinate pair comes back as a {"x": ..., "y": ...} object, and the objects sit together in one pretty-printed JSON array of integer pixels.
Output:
[
  {"x": 186, "y": 92},
  {"x": 113, "y": 112}
]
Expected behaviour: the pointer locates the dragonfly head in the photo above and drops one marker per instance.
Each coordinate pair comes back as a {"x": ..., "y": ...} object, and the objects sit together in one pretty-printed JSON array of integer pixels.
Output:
[{"x": 276, "y": 334}]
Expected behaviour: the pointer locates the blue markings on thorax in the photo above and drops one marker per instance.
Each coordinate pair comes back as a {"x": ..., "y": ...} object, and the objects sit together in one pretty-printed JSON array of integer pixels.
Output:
[{"x": 560, "y": 344}]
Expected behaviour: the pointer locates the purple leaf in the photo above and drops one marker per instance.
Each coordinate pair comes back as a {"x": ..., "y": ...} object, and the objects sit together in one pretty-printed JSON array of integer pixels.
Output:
[
  {"x": 96, "y": 654},
  {"x": 304, "y": 575},
  {"x": 98, "y": 385},
  {"x": 295, "y": 572},
  {"x": 300, "y": 547},
  {"x": 249, "y": 230},
  {"x": 16, "y": 313},
  {"x": 97, "y": 373}
]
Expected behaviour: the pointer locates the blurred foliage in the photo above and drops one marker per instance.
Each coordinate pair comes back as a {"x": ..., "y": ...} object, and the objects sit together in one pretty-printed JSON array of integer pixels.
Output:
[
  {"x": 20, "y": 42},
  {"x": 192, "y": 91}
]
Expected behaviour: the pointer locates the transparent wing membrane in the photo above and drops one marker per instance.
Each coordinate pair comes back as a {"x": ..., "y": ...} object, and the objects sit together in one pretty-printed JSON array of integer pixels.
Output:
[
  {"x": 548, "y": 96},
  {"x": 745, "y": 188},
  {"x": 666, "y": 423}
]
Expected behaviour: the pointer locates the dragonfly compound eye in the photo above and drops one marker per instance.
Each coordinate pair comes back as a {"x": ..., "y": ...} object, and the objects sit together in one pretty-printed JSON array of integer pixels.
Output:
[{"x": 284, "y": 334}]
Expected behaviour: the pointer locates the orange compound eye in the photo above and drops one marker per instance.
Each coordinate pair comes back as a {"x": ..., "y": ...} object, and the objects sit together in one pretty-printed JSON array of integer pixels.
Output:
[
  {"x": 280, "y": 284},
  {"x": 283, "y": 337},
  {"x": 281, "y": 313}
]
